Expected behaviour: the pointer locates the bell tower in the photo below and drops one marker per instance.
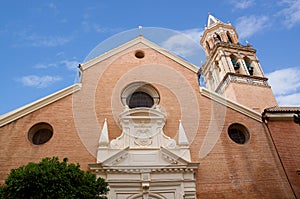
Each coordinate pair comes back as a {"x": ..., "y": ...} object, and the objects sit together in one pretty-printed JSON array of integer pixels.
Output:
[{"x": 233, "y": 70}]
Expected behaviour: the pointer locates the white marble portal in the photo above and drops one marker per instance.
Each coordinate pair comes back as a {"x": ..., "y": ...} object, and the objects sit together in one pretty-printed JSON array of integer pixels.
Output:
[{"x": 143, "y": 162}]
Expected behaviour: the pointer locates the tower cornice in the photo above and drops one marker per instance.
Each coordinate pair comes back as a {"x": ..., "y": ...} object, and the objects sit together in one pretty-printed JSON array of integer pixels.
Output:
[{"x": 242, "y": 79}]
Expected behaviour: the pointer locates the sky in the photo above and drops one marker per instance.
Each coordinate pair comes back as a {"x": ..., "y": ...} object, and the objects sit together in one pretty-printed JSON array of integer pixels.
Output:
[{"x": 43, "y": 42}]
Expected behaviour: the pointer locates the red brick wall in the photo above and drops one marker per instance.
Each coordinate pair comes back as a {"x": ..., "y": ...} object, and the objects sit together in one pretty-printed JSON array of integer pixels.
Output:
[
  {"x": 17, "y": 150},
  {"x": 255, "y": 97},
  {"x": 231, "y": 170},
  {"x": 286, "y": 136}
]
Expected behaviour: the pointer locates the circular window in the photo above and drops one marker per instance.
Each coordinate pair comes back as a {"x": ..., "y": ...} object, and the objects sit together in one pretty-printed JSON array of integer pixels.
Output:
[
  {"x": 140, "y": 94},
  {"x": 139, "y": 54},
  {"x": 238, "y": 133},
  {"x": 140, "y": 99},
  {"x": 40, "y": 133}
]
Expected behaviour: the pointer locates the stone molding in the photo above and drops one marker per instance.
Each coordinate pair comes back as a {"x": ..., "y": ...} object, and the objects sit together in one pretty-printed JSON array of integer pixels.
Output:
[
  {"x": 241, "y": 79},
  {"x": 29, "y": 108}
]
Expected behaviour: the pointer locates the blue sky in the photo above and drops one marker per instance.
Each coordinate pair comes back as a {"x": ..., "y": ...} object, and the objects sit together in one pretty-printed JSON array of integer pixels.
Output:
[{"x": 42, "y": 42}]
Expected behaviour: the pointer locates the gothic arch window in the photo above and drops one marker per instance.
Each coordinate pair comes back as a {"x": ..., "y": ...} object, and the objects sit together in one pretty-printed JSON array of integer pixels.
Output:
[
  {"x": 248, "y": 65},
  {"x": 140, "y": 94},
  {"x": 229, "y": 37}
]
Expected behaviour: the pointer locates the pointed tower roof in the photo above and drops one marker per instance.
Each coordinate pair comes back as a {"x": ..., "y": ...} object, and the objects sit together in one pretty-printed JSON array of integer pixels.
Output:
[{"x": 211, "y": 21}]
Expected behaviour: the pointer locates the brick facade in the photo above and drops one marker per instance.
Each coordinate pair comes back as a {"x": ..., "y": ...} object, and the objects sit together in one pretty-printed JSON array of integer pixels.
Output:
[
  {"x": 227, "y": 169},
  {"x": 285, "y": 134}
]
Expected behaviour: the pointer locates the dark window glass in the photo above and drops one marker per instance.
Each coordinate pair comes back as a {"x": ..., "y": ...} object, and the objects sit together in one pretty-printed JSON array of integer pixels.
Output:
[
  {"x": 41, "y": 136},
  {"x": 229, "y": 37},
  {"x": 237, "y": 136},
  {"x": 140, "y": 99},
  {"x": 238, "y": 133},
  {"x": 40, "y": 133}
]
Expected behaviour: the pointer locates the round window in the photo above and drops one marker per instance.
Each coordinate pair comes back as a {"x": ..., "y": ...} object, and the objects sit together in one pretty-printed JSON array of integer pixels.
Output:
[
  {"x": 140, "y": 99},
  {"x": 139, "y": 54},
  {"x": 238, "y": 133},
  {"x": 40, "y": 133},
  {"x": 140, "y": 94}
]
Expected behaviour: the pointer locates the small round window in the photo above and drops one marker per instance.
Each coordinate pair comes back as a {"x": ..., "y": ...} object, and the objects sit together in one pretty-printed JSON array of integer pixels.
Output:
[
  {"x": 140, "y": 94},
  {"x": 139, "y": 54},
  {"x": 40, "y": 133},
  {"x": 238, "y": 133}
]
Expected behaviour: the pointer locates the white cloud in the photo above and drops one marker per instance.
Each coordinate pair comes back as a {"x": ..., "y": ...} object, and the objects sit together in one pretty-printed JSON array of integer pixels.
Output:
[
  {"x": 35, "y": 40},
  {"x": 289, "y": 100},
  {"x": 51, "y": 41},
  {"x": 70, "y": 64},
  {"x": 89, "y": 26},
  {"x": 285, "y": 81},
  {"x": 39, "y": 65},
  {"x": 242, "y": 4},
  {"x": 39, "y": 81},
  {"x": 249, "y": 25},
  {"x": 291, "y": 13},
  {"x": 185, "y": 43},
  {"x": 286, "y": 85}
]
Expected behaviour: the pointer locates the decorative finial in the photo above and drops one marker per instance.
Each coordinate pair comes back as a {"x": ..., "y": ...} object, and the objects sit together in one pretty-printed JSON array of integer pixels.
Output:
[
  {"x": 208, "y": 13},
  {"x": 140, "y": 30}
]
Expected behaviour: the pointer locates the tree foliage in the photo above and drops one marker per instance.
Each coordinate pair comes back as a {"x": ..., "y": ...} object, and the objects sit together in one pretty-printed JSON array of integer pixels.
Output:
[{"x": 52, "y": 179}]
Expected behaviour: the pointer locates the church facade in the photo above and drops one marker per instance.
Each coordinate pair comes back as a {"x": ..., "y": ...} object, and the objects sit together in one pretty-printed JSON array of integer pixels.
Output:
[{"x": 139, "y": 119}]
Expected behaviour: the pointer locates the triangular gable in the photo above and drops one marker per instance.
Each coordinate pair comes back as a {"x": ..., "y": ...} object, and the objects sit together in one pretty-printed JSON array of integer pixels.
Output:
[
  {"x": 145, "y": 157},
  {"x": 29, "y": 108},
  {"x": 139, "y": 39}
]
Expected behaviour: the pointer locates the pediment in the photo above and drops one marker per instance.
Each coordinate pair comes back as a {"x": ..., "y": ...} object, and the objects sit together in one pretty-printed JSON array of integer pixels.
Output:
[{"x": 144, "y": 158}]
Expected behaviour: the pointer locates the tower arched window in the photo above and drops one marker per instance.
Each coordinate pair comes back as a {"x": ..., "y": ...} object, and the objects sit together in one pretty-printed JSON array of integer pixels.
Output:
[
  {"x": 217, "y": 38},
  {"x": 248, "y": 65},
  {"x": 207, "y": 46},
  {"x": 229, "y": 37},
  {"x": 235, "y": 63}
]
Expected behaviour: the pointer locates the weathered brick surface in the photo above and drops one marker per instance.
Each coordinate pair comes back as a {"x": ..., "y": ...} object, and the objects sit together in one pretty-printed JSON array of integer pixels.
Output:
[
  {"x": 17, "y": 150},
  {"x": 227, "y": 170},
  {"x": 286, "y": 136},
  {"x": 255, "y": 97}
]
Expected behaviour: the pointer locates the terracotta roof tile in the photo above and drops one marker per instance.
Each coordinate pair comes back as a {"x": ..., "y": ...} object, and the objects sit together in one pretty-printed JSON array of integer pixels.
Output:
[{"x": 280, "y": 109}]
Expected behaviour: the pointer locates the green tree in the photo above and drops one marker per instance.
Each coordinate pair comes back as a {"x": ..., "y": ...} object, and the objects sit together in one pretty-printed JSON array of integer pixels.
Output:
[{"x": 52, "y": 179}]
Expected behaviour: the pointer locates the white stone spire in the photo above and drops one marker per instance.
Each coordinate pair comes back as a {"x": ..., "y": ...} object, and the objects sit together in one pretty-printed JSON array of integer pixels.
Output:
[
  {"x": 104, "y": 141},
  {"x": 212, "y": 21},
  {"x": 182, "y": 139}
]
